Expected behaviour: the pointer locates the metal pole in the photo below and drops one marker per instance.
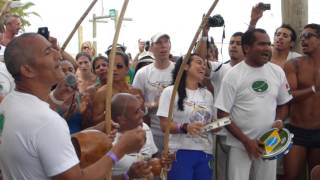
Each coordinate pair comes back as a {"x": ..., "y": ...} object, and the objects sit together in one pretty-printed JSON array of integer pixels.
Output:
[{"x": 94, "y": 32}]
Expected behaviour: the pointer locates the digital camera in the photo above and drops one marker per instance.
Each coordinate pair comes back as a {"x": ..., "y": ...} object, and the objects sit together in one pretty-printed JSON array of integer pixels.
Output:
[
  {"x": 216, "y": 21},
  {"x": 264, "y": 7}
]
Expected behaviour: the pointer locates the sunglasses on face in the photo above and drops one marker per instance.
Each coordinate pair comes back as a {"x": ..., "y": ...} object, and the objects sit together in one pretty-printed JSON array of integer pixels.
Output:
[
  {"x": 308, "y": 35},
  {"x": 119, "y": 66},
  {"x": 85, "y": 47}
]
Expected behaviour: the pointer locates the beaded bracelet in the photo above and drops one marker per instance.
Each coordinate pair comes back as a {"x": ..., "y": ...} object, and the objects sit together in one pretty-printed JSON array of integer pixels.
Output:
[
  {"x": 126, "y": 176},
  {"x": 112, "y": 156}
]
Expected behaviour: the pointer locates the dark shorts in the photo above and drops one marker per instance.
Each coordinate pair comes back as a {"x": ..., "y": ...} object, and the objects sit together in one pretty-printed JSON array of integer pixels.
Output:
[{"x": 309, "y": 138}]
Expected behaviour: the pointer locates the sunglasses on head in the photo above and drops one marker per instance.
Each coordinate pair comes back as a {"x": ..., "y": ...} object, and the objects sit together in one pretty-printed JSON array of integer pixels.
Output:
[{"x": 308, "y": 35}]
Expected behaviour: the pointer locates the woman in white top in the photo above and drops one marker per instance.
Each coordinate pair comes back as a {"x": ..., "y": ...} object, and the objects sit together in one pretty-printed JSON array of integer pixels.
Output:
[{"x": 193, "y": 109}]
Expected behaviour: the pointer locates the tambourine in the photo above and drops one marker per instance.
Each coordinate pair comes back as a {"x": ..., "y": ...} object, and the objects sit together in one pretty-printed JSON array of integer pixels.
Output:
[{"x": 276, "y": 143}]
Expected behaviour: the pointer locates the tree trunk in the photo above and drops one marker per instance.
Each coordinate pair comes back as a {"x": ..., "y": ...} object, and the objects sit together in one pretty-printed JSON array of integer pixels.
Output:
[{"x": 295, "y": 13}]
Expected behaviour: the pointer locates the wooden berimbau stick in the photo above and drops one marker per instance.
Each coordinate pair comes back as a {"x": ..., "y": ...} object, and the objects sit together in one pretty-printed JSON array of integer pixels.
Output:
[
  {"x": 78, "y": 24},
  {"x": 178, "y": 78},
  {"x": 110, "y": 74}
]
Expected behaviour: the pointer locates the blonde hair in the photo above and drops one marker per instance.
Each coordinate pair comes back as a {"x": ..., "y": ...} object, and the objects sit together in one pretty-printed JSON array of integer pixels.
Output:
[{"x": 90, "y": 45}]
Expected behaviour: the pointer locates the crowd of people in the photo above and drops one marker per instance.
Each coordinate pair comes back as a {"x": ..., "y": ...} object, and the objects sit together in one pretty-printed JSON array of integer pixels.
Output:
[{"x": 263, "y": 85}]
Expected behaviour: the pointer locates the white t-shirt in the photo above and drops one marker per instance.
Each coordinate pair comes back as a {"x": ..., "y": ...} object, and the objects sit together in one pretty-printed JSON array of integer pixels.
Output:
[
  {"x": 36, "y": 141},
  {"x": 127, "y": 160},
  {"x": 216, "y": 77},
  {"x": 251, "y": 96},
  {"x": 6, "y": 80},
  {"x": 198, "y": 106},
  {"x": 152, "y": 81}
]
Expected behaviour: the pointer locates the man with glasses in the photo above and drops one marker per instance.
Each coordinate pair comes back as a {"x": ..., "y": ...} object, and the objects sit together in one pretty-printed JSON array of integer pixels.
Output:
[{"x": 303, "y": 75}]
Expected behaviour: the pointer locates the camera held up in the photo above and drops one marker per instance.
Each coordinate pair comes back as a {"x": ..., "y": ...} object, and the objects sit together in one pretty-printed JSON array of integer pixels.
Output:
[
  {"x": 264, "y": 7},
  {"x": 216, "y": 21}
]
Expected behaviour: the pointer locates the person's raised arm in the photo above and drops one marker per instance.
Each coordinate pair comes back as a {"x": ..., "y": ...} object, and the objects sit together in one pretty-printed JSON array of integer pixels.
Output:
[
  {"x": 256, "y": 14},
  {"x": 202, "y": 45},
  {"x": 64, "y": 55}
]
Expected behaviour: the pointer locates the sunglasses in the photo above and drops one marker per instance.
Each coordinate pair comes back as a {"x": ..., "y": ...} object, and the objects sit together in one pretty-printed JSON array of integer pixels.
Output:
[
  {"x": 85, "y": 47},
  {"x": 308, "y": 35},
  {"x": 119, "y": 66}
]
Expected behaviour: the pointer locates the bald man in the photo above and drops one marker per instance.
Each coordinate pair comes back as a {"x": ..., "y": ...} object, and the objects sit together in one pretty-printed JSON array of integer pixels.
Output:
[{"x": 127, "y": 113}]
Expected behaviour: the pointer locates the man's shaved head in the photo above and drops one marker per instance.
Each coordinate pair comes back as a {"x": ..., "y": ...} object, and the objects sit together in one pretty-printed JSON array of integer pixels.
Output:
[
  {"x": 119, "y": 104},
  {"x": 20, "y": 51}
]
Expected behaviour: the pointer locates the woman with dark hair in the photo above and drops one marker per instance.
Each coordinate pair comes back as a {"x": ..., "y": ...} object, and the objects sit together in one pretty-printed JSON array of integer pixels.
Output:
[
  {"x": 193, "y": 109},
  {"x": 86, "y": 79},
  {"x": 120, "y": 85},
  {"x": 100, "y": 69}
]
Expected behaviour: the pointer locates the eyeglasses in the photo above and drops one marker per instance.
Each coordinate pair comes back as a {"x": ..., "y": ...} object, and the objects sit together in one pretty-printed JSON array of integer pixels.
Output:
[
  {"x": 85, "y": 47},
  {"x": 308, "y": 35}
]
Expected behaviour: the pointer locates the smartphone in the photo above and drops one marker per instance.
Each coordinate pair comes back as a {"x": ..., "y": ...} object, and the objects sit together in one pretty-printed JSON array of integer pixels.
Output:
[
  {"x": 264, "y": 6},
  {"x": 44, "y": 32}
]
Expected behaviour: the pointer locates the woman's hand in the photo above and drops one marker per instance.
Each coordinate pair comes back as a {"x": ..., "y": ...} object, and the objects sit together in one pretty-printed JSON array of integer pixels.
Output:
[{"x": 194, "y": 128}]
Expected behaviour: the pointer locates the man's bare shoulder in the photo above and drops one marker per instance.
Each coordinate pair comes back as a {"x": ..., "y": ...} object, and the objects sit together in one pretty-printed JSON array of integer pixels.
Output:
[
  {"x": 296, "y": 59},
  {"x": 295, "y": 62}
]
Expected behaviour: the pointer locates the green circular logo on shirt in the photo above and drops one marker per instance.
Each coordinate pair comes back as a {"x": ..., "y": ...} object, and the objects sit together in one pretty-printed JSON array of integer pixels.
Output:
[{"x": 260, "y": 86}]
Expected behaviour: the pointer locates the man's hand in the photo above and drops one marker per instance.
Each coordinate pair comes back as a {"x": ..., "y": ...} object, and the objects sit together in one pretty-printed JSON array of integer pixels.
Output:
[
  {"x": 167, "y": 159},
  {"x": 131, "y": 141},
  {"x": 277, "y": 124},
  {"x": 256, "y": 14},
  {"x": 140, "y": 169},
  {"x": 253, "y": 148},
  {"x": 54, "y": 43}
]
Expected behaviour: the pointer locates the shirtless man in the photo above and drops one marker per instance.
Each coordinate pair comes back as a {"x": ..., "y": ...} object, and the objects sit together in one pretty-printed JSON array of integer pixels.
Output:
[
  {"x": 12, "y": 26},
  {"x": 304, "y": 78},
  {"x": 283, "y": 41}
]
